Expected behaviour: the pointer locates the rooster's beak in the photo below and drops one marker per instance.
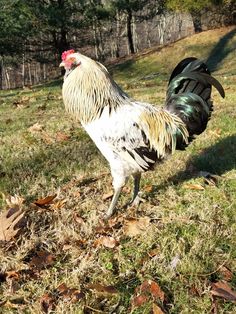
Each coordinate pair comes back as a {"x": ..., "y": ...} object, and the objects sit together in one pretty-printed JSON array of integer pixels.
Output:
[{"x": 62, "y": 64}]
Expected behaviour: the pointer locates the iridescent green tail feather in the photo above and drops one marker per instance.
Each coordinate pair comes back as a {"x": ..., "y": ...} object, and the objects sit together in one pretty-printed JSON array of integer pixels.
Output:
[{"x": 189, "y": 96}]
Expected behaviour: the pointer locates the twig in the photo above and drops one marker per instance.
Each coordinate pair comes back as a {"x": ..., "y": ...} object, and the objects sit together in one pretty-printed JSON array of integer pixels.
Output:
[
  {"x": 92, "y": 309},
  {"x": 215, "y": 271}
]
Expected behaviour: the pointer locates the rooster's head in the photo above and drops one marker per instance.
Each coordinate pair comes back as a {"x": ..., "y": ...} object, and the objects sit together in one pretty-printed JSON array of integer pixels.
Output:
[{"x": 70, "y": 59}]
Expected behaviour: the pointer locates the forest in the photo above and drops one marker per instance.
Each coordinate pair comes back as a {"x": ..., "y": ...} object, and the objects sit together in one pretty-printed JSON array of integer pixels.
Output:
[{"x": 35, "y": 33}]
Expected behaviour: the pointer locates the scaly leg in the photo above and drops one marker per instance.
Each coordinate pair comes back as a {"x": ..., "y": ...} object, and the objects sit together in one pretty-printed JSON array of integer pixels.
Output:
[
  {"x": 112, "y": 206},
  {"x": 136, "y": 198}
]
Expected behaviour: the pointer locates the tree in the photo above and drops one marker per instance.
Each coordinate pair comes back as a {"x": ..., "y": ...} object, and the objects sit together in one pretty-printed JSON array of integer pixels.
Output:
[
  {"x": 17, "y": 26},
  {"x": 132, "y": 7},
  {"x": 194, "y": 8}
]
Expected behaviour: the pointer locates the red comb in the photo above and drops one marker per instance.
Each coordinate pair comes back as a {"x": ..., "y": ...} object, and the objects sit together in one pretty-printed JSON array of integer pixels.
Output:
[{"x": 66, "y": 53}]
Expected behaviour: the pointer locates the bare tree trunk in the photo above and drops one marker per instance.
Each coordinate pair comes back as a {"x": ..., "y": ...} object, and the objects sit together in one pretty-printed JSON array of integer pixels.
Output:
[
  {"x": 129, "y": 31},
  {"x": 197, "y": 23},
  {"x": 23, "y": 70},
  {"x": 44, "y": 72},
  {"x": 1, "y": 74},
  {"x": 117, "y": 39},
  {"x": 95, "y": 37},
  {"x": 7, "y": 79},
  {"x": 30, "y": 75}
]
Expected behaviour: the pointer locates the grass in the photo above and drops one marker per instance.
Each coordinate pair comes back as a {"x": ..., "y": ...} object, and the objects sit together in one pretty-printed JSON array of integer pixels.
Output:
[{"x": 196, "y": 228}]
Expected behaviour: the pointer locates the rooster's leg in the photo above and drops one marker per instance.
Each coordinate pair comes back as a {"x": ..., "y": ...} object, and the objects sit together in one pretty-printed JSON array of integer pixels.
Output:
[
  {"x": 136, "y": 198},
  {"x": 112, "y": 206}
]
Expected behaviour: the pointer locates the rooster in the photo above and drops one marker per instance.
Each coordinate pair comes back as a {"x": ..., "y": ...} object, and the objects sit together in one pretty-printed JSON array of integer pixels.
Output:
[{"x": 135, "y": 136}]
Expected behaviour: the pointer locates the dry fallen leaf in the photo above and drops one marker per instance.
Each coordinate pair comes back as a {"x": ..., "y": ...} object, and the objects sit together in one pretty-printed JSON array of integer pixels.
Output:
[
  {"x": 35, "y": 128},
  {"x": 58, "y": 204},
  {"x": 106, "y": 241},
  {"x": 139, "y": 300},
  {"x": 135, "y": 226},
  {"x": 148, "y": 290},
  {"x": 48, "y": 302},
  {"x": 102, "y": 289},
  {"x": 107, "y": 196},
  {"x": 42, "y": 260},
  {"x": 126, "y": 189},
  {"x": 61, "y": 137},
  {"x": 12, "y": 274},
  {"x": 223, "y": 290},
  {"x": 69, "y": 294},
  {"x": 10, "y": 221},
  {"x": 45, "y": 201},
  {"x": 153, "y": 288},
  {"x": 103, "y": 229},
  {"x": 226, "y": 273},
  {"x": 153, "y": 252},
  {"x": 190, "y": 186},
  {"x": 156, "y": 309},
  {"x": 148, "y": 188}
]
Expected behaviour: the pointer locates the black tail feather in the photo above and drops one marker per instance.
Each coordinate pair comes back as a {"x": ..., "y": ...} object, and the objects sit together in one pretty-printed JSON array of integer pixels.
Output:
[{"x": 189, "y": 96}]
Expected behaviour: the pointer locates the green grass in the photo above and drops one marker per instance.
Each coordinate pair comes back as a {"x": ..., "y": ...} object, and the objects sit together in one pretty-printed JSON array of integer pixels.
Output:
[{"x": 195, "y": 227}]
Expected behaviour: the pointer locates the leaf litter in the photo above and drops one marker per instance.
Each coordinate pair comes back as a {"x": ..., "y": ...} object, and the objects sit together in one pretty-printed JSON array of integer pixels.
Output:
[
  {"x": 42, "y": 259},
  {"x": 149, "y": 290},
  {"x": 11, "y": 223},
  {"x": 135, "y": 226},
  {"x": 223, "y": 290},
  {"x": 106, "y": 241}
]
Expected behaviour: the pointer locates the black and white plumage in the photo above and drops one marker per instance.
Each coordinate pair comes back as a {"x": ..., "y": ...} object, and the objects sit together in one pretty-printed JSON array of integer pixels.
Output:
[{"x": 134, "y": 136}]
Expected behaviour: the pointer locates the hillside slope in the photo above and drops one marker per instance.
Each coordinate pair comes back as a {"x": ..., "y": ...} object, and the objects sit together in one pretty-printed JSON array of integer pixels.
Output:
[{"x": 183, "y": 237}]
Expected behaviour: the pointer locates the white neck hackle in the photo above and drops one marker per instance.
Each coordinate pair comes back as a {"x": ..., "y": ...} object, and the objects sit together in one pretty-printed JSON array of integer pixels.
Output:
[{"x": 89, "y": 88}]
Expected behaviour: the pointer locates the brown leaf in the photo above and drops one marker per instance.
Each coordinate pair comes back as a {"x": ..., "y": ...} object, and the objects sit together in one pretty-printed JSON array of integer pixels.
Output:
[
  {"x": 223, "y": 290},
  {"x": 148, "y": 290},
  {"x": 153, "y": 252},
  {"x": 61, "y": 137},
  {"x": 45, "y": 201},
  {"x": 134, "y": 227},
  {"x": 102, "y": 289},
  {"x": 79, "y": 220},
  {"x": 106, "y": 241},
  {"x": 103, "y": 229},
  {"x": 58, "y": 204},
  {"x": 126, "y": 189},
  {"x": 150, "y": 286},
  {"x": 225, "y": 273},
  {"x": 190, "y": 186},
  {"x": 148, "y": 188},
  {"x": 156, "y": 290},
  {"x": 47, "y": 302},
  {"x": 35, "y": 128},
  {"x": 42, "y": 260},
  {"x": 139, "y": 300},
  {"x": 156, "y": 309},
  {"x": 116, "y": 222},
  {"x": 107, "y": 196},
  {"x": 12, "y": 274},
  {"x": 10, "y": 221},
  {"x": 70, "y": 294}
]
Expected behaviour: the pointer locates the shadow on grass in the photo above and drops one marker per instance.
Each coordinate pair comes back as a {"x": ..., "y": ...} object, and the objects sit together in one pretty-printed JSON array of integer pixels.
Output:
[
  {"x": 58, "y": 162},
  {"x": 216, "y": 159},
  {"x": 221, "y": 50}
]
